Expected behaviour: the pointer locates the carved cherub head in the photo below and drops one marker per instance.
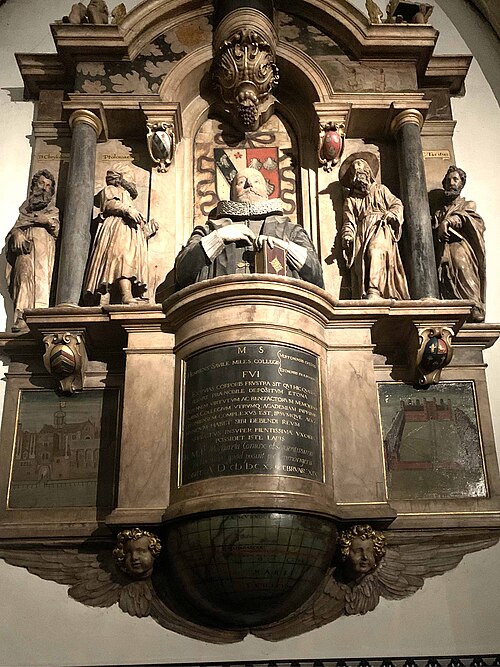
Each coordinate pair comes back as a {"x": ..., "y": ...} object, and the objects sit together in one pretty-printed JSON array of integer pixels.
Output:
[
  {"x": 136, "y": 551},
  {"x": 454, "y": 182},
  {"x": 361, "y": 548},
  {"x": 249, "y": 185},
  {"x": 42, "y": 188}
]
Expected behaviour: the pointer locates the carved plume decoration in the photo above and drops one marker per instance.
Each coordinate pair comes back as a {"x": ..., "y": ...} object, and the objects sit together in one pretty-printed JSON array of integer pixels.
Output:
[{"x": 244, "y": 68}]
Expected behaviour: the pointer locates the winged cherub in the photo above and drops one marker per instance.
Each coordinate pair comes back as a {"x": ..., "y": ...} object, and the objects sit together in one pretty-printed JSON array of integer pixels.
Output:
[
  {"x": 361, "y": 548},
  {"x": 372, "y": 565},
  {"x": 101, "y": 577},
  {"x": 135, "y": 552}
]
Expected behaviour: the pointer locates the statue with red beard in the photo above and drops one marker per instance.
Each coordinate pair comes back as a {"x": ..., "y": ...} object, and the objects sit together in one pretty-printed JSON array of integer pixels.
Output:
[
  {"x": 31, "y": 247},
  {"x": 459, "y": 236}
]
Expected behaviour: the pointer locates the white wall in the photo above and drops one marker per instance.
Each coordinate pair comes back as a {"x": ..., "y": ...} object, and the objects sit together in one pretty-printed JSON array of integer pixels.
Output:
[{"x": 455, "y": 613}]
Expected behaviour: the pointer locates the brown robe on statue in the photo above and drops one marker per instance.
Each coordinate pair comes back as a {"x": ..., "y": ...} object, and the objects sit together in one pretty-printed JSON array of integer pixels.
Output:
[
  {"x": 363, "y": 221},
  {"x": 29, "y": 273},
  {"x": 461, "y": 260},
  {"x": 120, "y": 248}
]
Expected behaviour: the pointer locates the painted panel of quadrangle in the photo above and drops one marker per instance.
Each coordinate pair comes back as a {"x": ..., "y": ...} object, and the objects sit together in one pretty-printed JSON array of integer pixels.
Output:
[{"x": 432, "y": 441}]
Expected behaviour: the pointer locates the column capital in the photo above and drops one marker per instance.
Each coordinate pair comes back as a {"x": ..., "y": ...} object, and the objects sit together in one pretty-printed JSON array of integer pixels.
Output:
[
  {"x": 412, "y": 116},
  {"x": 86, "y": 116}
]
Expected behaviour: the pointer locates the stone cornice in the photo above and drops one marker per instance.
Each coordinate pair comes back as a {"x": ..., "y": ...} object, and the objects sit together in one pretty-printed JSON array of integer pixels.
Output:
[
  {"x": 338, "y": 18},
  {"x": 43, "y": 71},
  {"x": 447, "y": 72}
]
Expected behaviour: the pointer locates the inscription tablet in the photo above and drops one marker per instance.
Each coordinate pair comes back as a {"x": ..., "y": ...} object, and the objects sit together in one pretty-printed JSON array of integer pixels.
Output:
[{"x": 251, "y": 409}]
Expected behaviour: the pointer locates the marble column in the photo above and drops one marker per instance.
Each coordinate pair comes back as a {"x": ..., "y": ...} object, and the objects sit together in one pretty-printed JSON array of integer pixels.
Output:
[
  {"x": 421, "y": 262},
  {"x": 75, "y": 241}
]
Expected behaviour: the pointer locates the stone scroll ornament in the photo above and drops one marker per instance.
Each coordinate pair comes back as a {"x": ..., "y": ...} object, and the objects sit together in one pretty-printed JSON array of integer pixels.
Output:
[
  {"x": 65, "y": 359},
  {"x": 369, "y": 565},
  {"x": 431, "y": 350},
  {"x": 160, "y": 140},
  {"x": 332, "y": 139},
  {"x": 244, "y": 68}
]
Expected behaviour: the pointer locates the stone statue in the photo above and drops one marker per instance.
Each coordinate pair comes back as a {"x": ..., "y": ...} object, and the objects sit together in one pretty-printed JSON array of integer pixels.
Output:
[
  {"x": 459, "y": 236},
  {"x": 136, "y": 551},
  {"x": 118, "y": 14},
  {"x": 31, "y": 246},
  {"x": 424, "y": 13},
  {"x": 118, "y": 266},
  {"x": 375, "y": 14},
  {"x": 372, "y": 223},
  {"x": 407, "y": 11},
  {"x": 227, "y": 243},
  {"x": 362, "y": 548},
  {"x": 96, "y": 12}
]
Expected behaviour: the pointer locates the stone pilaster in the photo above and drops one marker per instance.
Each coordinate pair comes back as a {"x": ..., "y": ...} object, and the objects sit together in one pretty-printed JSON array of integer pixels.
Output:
[
  {"x": 75, "y": 242},
  {"x": 423, "y": 281}
]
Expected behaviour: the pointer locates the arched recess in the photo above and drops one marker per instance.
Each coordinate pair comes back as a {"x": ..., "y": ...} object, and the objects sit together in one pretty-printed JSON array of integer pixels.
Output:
[{"x": 302, "y": 84}]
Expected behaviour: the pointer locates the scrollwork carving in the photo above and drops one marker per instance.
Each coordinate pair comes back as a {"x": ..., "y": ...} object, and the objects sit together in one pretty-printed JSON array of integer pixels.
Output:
[
  {"x": 431, "y": 350},
  {"x": 160, "y": 140},
  {"x": 245, "y": 70},
  {"x": 65, "y": 358}
]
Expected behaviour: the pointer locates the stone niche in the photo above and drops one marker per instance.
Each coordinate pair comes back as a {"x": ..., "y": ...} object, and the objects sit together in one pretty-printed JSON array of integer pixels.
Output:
[{"x": 252, "y": 426}]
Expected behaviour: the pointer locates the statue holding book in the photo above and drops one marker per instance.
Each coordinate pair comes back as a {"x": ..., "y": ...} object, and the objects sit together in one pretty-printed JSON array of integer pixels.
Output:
[{"x": 248, "y": 234}]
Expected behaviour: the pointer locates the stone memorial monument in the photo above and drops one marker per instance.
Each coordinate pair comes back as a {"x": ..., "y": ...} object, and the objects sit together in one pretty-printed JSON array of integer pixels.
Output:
[{"x": 280, "y": 422}]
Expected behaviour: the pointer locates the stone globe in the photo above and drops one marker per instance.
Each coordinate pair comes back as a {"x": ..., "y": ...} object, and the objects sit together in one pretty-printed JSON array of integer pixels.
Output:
[{"x": 245, "y": 568}]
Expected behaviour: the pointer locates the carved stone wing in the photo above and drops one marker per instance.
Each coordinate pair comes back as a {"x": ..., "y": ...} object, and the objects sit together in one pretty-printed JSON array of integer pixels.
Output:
[
  {"x": 363, "y": 596},
  {"x": 413, "y": 557},
  {"x": 94, "y": 581},
  {"x": 90, "y": 579}
]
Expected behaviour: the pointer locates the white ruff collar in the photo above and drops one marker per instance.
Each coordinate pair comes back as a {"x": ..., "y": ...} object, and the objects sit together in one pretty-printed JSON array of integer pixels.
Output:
[{"x": 240, "y": 209}]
